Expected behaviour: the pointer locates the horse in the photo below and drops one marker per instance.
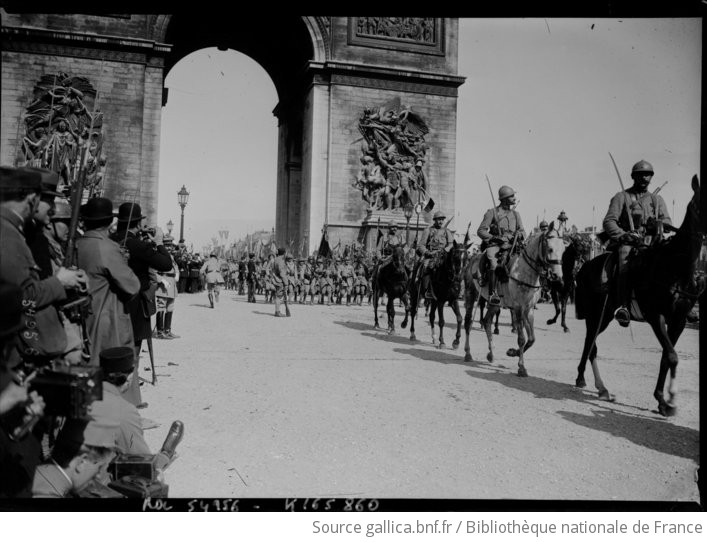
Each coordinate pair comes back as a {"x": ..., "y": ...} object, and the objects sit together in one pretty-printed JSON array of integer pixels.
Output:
[
  {"x": 392, "y": 280},
  {"x": 445, "y": 282},
  {"x": 540, "y": 256},
  {"x": 665, "y": 289},
  {"x": 572, "y": 260}
]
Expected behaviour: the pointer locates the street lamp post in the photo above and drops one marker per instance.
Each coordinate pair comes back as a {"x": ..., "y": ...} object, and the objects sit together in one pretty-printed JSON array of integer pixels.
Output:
[
  {"x": 170, "y": 225},
  {"x": 418, "y": 210},
  {"x": 407, "y": 210},
  {"x": 183, "y": 196}
]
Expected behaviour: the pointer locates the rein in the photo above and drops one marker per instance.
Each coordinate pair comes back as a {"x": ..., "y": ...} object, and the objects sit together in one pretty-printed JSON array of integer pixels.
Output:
[{"x": 543, "y": 261}]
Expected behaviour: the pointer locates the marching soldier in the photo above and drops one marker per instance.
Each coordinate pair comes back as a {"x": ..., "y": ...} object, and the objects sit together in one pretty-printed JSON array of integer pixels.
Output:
[
  {"x": 280, "y": 281},
  {"x": 435, "y": 241},
  {"x": 347, "y": 279},
  {"x": 211, "y": 272},
  {"x": 251, "y": 276},
  {"x": 648, "y": 214},
  {"x": 500, "y": 226}
]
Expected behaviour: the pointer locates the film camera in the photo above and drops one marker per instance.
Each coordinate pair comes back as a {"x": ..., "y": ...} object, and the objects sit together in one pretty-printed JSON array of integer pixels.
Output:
[
  {"x": 138, "y": 475},
  {"x": 68, "y": 391}
]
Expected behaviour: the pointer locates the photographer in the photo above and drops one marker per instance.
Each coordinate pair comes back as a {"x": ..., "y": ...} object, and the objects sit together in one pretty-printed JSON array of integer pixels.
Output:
[
  {"x": 43, "y": 337},
  {"x": 112, "y": 282},
  {"x": 118, "y": 366},
  {"x": 81, "y": 453},
  {"x": 145, "y": 251}
]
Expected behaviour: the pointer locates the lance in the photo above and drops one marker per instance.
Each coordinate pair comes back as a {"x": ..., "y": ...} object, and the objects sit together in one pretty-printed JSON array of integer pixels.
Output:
[
  {"x": 623, "y": 191},
  {"x": 659, "y": 188},
  {"x": 378, "y": 225},
  {"x": 466, "y": 236},
  {"x": 493, "y": 200}
]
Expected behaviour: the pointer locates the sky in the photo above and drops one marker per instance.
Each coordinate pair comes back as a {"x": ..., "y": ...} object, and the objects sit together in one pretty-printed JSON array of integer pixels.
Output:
[{"x": 544, "y": 103}]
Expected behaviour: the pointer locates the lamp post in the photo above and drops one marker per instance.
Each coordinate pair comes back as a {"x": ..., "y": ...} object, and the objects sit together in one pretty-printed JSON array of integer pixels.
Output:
[
  {"x": 407, "y": 211},
  {"x": 418, "y": 210},
  {"x": 170, "y": 225},
  {"x": 183, "y": 196}
]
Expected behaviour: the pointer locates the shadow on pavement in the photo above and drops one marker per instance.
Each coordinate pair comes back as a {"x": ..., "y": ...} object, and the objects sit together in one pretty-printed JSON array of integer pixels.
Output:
[{"x": 199, "y": 305}]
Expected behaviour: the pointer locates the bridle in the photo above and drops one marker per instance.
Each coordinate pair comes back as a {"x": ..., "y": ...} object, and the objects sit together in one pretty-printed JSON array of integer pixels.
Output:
[{"x": 541, "y": 261}]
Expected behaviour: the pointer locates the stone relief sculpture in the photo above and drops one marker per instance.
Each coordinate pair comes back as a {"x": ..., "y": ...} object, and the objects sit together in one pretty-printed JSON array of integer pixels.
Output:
[
  {"x": 64, "y": 130},
  {"x": 418, "y": 29},
  {"x": 392, "y": 156}
]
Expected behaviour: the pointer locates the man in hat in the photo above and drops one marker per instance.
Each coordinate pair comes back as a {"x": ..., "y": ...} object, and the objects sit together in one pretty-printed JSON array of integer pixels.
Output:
[
  {"x": 500, "y": 227},
  {"x": 118, "y": 367},
  {"x": 434, "y": 243},
  {"x": 211, "y": 274},
  {"x": 44, "y": 337},
  {"x": 648, "y": 214},
  {"x": 252, "y": 273},
  {"x": 166, "y": 294},
  {"x": 82, "y": 451},
  {"x": 278, "y": 273},
  {"x": 145, "y": 251},
  {"x": 111, "y": 281}
]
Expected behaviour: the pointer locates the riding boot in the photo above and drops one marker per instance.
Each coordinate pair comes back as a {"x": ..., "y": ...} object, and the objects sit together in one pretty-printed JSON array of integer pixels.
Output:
[
  {"x": 493, "y": 296},
  {"x": 277, "y": 305},
  {"x": 623, "y": 294},
  {"x": 159, "y": 332},
  {"x": 426, "y": 288},
  {"x": 211, "y": 299}
]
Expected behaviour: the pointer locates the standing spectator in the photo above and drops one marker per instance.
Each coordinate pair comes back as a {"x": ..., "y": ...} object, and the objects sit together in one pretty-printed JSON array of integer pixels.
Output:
[
  {"x": 145, "y": 251},
  {"x": 166, "y": 294},
  {"x": 111, "y": 281}
]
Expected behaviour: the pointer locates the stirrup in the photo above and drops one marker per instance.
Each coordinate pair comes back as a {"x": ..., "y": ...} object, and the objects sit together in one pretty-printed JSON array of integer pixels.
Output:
[{"x": 622, "y": 316}]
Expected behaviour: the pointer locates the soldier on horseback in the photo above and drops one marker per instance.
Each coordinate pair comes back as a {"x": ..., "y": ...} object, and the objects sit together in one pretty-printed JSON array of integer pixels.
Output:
[
  {"x": 499, "y": 229},
  {"x": 648, "y": 213},
  {"x": 387, "y": 243},
  {"x": 434, "y": 243}
]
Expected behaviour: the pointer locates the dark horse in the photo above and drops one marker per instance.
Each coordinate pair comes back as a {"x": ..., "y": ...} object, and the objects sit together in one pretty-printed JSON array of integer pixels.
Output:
[
  {"x": 391, "y": 280},
  {"x": 573, "y": 259},
  {"x": 665, "y": 288},
  {"x": 445, "y": 282}
]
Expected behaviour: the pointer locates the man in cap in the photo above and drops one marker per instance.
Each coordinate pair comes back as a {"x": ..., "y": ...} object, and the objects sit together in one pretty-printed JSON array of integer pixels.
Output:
[
  {"x": 434, "y": 243},
  {"x": 43, "y": 337},
  {"x": 251, "y": 275},
  {"x": 347, "y": 279},
  {"x": 634, "y": 218},
  {"x": 82, "y": 450},
  {"x": 112, "y": 283},
  {"x": 500, "y": 227},
  {"x": 118, "y": 367},
  {"x": 165, "y": 296},
  {"x": 280, "y": 279},
  {"x": 146, "y": 251},
  {"x": 211, "y": 274}
]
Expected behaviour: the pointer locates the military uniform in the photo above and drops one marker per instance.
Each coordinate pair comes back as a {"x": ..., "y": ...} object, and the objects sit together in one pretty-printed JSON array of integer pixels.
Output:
[
  {"x": 166, "y": 294},
  {"x": 347, "y": 279},
  {"x": 434, "y": 243},
  {"x": 211, "y": 270},
  {"x": 251, "y": 275}
]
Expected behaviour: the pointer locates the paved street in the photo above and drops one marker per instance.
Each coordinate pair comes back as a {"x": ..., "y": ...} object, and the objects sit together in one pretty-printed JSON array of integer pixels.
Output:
[{"x": 323, "y": 405}]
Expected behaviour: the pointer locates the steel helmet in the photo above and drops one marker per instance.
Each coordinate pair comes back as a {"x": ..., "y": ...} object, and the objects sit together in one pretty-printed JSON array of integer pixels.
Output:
[
  {"x": 544, "y": 224},
  {"x": 392, "y": 224},
  {"x": 642, "y": 167},
  {"x": 505, "y": 192},
  {"x": 62, "y": 211},
  {"x": 438, "y": 214}
]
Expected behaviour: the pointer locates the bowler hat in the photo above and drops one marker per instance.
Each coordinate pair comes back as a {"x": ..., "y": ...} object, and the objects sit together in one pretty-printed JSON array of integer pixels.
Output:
[
  {"x": 97, "y": 209},
  {"x": 129, "y": 212},
  {"x": 11, "y": 314},
  {"x": 90, "y": 432},
  {"x": 49, "y": 180},
  {"x": 12, "y": 177},
  {"x": 118, "y": 359}
]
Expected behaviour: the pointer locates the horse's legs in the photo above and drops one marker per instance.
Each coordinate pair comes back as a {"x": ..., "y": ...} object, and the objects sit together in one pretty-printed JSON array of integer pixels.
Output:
[
  {"x": 406, "y": 304},
  {"x": 440, "y": 322},
  {"x": 374, "y": 295},
  {"x": 495, "y": 327},
  {"x": 668, "y": 360},
  {"x": 458, "y": 314},
  {"x": 521, "y": 325},
  {"x": 563, "y": 304},
  {"x": 468, "y": 322},
  {"x": 595, "y": 327},
  {"x": 488, "y": 322},
  {"x": 528, "y": 321},
  {"x": 482, "y": 307},
  {"x": 391, "y": 314},
  {"x": 556, "y": 302},
  {"x": 431, "y": 315},
  {"x": 413, "y": 313}
]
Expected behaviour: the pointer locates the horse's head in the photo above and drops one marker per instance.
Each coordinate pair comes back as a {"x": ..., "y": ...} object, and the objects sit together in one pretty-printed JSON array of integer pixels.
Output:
[
  {"x": 457, "y": 258},
  {"x": 399, "y": 259},
  {"x": 546, "y": 250}
]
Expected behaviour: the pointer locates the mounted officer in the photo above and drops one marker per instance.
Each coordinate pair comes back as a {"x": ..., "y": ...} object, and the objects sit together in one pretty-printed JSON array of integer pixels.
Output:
[
  {"x": 498, "y": 230},
  {"x": 436, "y": 241},
  {"x": 648, "y": 214},
  {"x": 387, "y": 243}
]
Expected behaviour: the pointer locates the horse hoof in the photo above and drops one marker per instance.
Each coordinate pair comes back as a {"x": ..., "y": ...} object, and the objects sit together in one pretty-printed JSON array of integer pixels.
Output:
[
  {"x": 440, "y": 346},
  {"x": 489, "y": 357},
  {"x": 468, "y": 358},
  {"x": 604, "y": 395},
  {"x": 455, "y": 345},
  {"x": 512, "y": 352},
  {"x": 412, "y": 337},
  {"x": 567, "y": 330},
  {"x": 495, "y": 332},
  {"x": 404, "y": 325},
  {"x": 550, "y": 322},
  {"x": 580, "y": 383},
  {"x": 376, "y": 326},
  {"x": 522, "y": 372},
  {"x": 391, "y": 332}
]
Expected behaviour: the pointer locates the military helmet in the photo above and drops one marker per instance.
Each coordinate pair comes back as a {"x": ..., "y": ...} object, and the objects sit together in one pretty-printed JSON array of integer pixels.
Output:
[
  {"x": 505, "y": 192},
  {"x": 392, "y": 224},
  {"x": 439, "y": 214},
  {"x": 544, "y": 224},
  {"x": 642, "y": 167},
  {"x": 62, "y": 211}
]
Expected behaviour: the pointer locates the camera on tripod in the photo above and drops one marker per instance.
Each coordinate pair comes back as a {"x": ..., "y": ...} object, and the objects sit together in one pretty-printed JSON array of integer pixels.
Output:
[{"x": 68, "y": 391}]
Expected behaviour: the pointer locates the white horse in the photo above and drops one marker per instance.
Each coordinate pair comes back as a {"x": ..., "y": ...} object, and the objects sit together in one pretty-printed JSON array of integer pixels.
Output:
[{"x": 541, "y": 256}]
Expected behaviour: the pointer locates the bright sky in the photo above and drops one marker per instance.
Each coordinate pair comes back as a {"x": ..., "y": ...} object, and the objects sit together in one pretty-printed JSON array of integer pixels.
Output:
[{"x": 544, "y": 102}]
